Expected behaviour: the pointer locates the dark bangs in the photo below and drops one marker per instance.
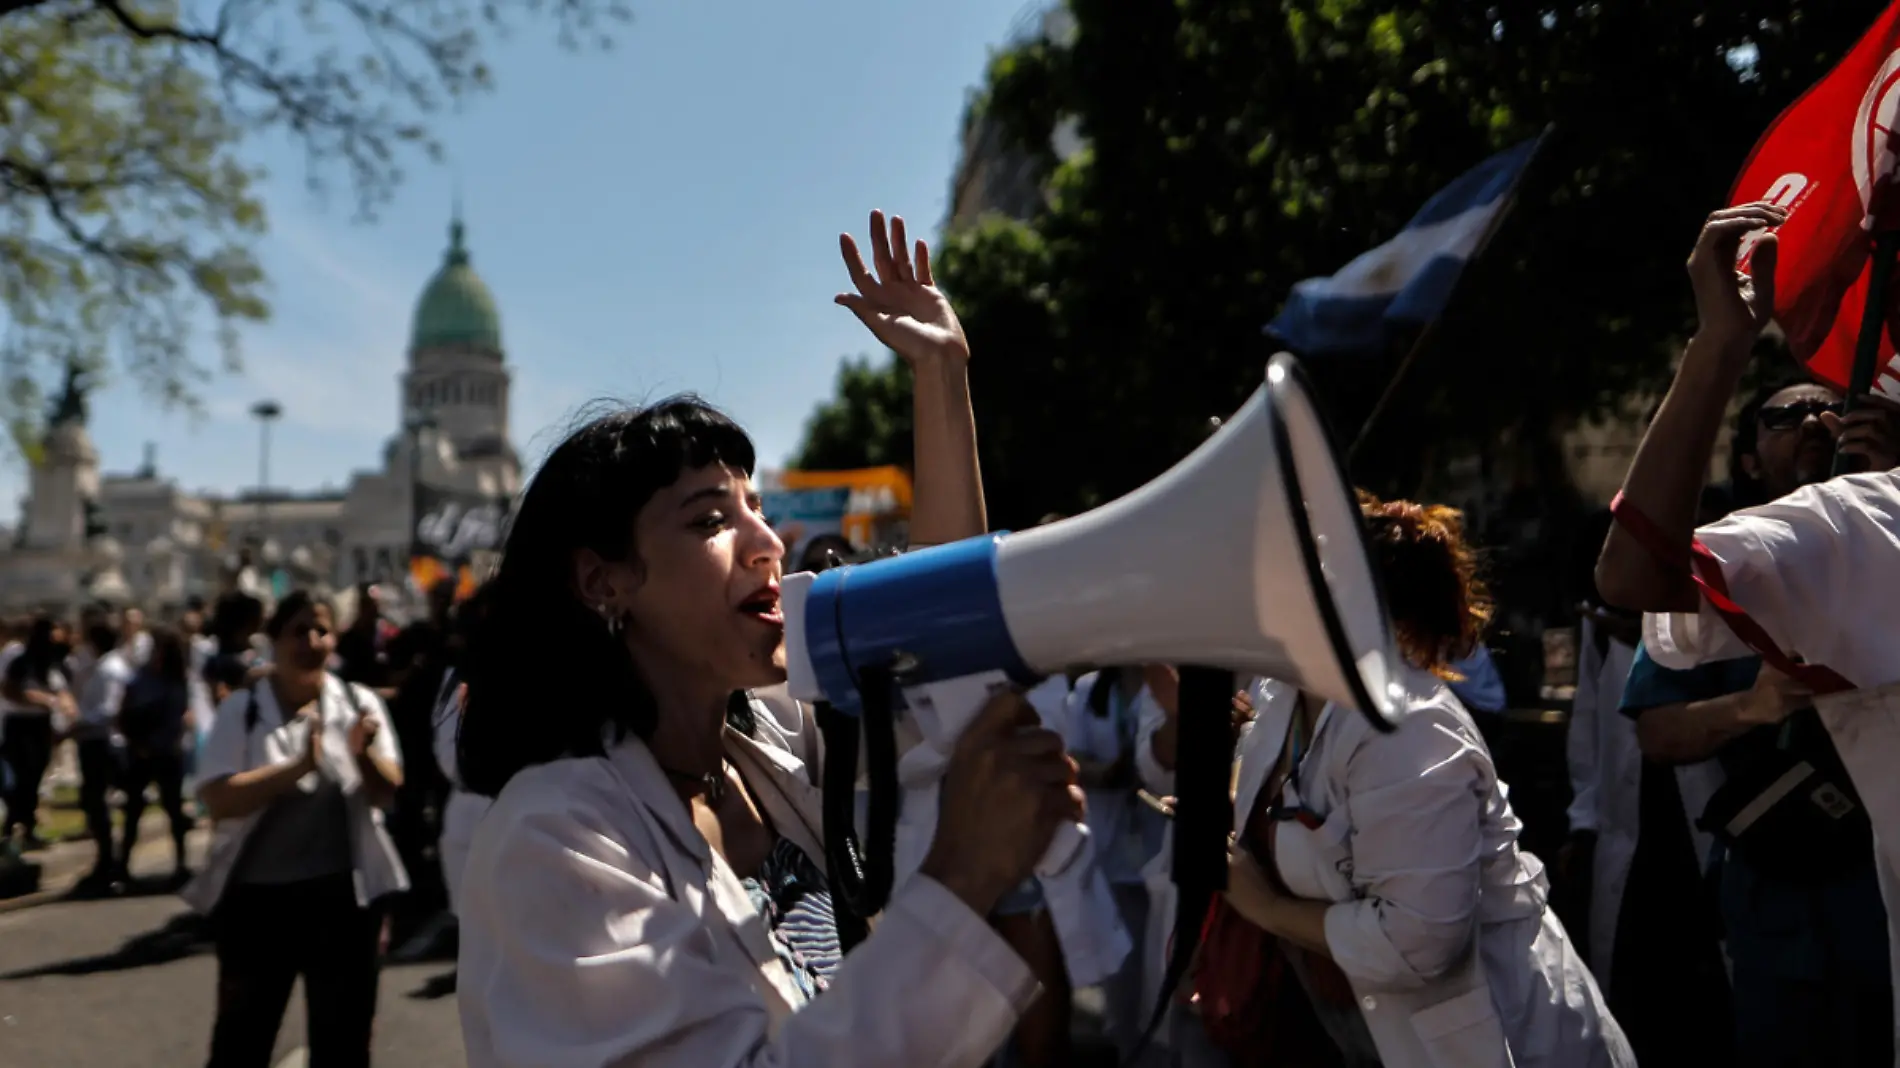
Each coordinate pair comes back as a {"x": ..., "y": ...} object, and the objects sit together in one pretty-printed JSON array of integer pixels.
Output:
[{"x": 545, "y": 677}]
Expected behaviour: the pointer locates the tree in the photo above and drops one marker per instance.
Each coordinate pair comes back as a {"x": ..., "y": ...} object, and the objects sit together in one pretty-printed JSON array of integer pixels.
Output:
[
  {"x": 869, "y": 423},
  {"x": 1235, "y": 147},
  {"x": 127, "y": 214}
]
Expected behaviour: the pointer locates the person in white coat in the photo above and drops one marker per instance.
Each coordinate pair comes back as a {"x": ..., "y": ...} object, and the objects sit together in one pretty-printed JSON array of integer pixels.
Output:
[
  {"x": 1392, "y": 858},
  {"x": 1099, "y": 724},
  {"x": 1813, "y": 571},
  {"x": 650, "y": 889},
  {"x": 296, "y": 774}
]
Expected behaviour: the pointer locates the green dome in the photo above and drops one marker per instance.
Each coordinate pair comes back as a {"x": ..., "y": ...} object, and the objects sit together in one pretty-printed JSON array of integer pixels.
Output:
[{"x": 456, "y": 308}]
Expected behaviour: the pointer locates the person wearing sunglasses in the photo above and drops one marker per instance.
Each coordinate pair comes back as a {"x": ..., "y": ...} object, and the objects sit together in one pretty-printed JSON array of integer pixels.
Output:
[
  {"x": 1806, "y": 581},
  {"x": 1796, "y": 429}
]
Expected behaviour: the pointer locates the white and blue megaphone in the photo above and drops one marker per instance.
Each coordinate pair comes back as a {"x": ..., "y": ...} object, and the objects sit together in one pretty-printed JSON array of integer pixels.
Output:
[{"x": 1248, "y": 556}]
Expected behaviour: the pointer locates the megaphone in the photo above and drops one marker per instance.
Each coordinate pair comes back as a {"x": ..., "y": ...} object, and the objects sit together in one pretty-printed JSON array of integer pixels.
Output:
[{"x": 1248, "y": 556}]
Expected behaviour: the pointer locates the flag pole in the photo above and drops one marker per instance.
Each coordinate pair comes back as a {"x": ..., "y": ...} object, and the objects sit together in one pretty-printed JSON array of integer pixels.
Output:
[
  {"x": 1424, "y": 335},
  {"x": 1873, "y": 324}
]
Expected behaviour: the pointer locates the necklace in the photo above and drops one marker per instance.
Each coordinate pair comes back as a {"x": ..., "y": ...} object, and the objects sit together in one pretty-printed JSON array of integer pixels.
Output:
[{"x": 712, "y": 782}]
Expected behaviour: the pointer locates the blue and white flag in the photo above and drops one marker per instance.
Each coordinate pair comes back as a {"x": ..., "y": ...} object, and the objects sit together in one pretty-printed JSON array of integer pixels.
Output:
[{"x": 1407, "y": 281}]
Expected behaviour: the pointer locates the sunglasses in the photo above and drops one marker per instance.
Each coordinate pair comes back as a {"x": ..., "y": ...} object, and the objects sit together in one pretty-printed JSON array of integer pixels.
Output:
[{"x": 1789, "y": 416}]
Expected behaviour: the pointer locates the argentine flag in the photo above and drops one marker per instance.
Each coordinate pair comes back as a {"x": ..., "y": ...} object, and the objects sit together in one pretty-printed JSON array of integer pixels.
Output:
[{"x": 1407, "y": 281}]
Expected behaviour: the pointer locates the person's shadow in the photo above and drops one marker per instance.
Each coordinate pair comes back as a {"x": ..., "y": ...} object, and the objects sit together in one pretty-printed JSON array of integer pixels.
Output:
[{"x": 184, "y": 935}]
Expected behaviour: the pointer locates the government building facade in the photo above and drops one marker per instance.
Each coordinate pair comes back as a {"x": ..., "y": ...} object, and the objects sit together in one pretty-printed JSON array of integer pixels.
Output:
[{"x": 139, "y": 538}]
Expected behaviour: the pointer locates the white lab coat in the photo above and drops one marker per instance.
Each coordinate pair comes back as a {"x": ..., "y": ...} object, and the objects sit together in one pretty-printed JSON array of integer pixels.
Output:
[
  {"x": 463, "y": 811},
  {"x": 599, "y": 929},
  {"x": 232, "y": 747},
  {"x": 1606, "y": 773},
  {"x": 1418, "y": 849},
  {"x": 1819, "y": 570}
]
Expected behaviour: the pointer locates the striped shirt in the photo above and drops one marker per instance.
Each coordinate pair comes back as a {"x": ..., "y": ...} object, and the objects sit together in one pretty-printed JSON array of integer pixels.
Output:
[{"x": 793, "y": 897}]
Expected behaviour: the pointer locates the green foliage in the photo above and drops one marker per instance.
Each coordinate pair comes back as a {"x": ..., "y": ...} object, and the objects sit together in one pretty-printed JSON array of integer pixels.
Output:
[
  {"x": 1238, "y": 146},
  {"x": 126, "y": 214},
  {"x": 867, "y": 425}
]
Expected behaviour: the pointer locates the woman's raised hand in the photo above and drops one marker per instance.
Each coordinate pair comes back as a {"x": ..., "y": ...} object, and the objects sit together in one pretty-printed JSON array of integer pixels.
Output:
[
  {"x": 1008, "y": 787},
  {"x": 900, "y": 304}
]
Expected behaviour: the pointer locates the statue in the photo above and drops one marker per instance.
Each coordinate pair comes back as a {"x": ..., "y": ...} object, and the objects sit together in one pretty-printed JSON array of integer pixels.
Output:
[{"x": 70, "y": 405}]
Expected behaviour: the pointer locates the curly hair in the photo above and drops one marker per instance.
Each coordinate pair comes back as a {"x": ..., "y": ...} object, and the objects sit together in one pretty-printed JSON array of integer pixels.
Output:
[{"x": 1439, "y": 604}]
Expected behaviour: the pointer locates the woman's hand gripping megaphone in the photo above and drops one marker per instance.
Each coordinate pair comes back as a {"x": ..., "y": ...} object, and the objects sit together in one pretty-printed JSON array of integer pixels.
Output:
[{"x": 1008, "y": 788}]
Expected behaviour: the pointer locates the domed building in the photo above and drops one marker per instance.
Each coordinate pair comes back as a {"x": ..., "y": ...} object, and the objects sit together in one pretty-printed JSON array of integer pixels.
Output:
[
  {"x": 452, "y": 424},
  {"x": 456, "y": 383},
  {"x": 447, "y": 471}
]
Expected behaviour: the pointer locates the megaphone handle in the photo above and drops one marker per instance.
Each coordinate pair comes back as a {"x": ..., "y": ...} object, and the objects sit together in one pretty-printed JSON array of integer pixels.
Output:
[
  {"x": 844, "y": 855},
  {"x": 1204, "y": 813},
  {"x": 861, "y": 878},
  {"x": 1069, "y": 845}
]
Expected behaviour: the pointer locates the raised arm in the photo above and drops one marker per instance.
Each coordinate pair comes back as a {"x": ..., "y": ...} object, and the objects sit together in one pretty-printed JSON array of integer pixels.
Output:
[
  {"x": 902, "y": 306},
  {"x": 1665, "y": 479}
]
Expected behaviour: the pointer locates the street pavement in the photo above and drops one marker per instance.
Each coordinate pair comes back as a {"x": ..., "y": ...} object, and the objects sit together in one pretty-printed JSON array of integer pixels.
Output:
[
  {"x": 119, "y": 983},
  {"x": 113, "y": 983},
  {"x": 97, "y": 984}
]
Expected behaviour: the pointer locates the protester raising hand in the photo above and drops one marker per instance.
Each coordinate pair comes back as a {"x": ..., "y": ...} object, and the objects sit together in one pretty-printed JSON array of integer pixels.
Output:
[
  {"x": 1732, "y": 306},
  {"x": 901, "y": 304}
]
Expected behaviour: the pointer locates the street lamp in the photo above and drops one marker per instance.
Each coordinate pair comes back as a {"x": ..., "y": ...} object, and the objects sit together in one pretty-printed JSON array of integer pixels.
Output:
[{"x": 266, "y": 411}]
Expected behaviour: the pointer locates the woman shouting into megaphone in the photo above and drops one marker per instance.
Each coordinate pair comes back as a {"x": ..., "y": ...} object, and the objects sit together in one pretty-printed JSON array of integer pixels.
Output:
[{"x": 650, "y": 887}]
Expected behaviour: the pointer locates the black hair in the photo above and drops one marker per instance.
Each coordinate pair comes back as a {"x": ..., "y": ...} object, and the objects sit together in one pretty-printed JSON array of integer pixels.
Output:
[
  {"x": 294, "y": 604},
  {"x": 170, "y": 661},
  {"x": 825, "y": 551},
  {"x": 235, "y": 613},
  {"x": 225, "y": 668},
  {"x": 546, "y": 677},
  {"x": 1103, "y": 688},
  {"x": 102, "y": 636},
  {"x": 39, "y": 654},
  {"x": 1746, "y": 490}
]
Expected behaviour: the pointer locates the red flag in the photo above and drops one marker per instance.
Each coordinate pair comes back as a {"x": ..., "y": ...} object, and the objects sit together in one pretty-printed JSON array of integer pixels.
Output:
[{"x": 1830, "y": 160}]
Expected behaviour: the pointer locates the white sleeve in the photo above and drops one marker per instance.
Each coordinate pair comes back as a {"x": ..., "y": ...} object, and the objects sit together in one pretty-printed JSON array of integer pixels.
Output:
[
  {"x": 577, "y": 957},
  {"x": 448, "y": 717},
  {"x": 385, "y": 744},
  {"x": 1054, "y": 700},
  {"x": 1791, "y": 565},
  {"x": 1580, "y": 734},
  {"x": 1150, "y": 717},
  {"x": 223, "y": 752},
  {"x": 1415, "y": 840},
  {"x": 105, "y": 692}
]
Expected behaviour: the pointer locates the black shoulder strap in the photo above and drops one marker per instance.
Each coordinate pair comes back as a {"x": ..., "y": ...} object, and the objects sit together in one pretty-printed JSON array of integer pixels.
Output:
[
  {"x": 349, "y": 694},
  {"x": 250, "y": 709}
]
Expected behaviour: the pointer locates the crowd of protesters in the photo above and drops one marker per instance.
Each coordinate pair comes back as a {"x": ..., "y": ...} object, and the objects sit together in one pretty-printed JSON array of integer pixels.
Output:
[{"x": 590, "y": 771}]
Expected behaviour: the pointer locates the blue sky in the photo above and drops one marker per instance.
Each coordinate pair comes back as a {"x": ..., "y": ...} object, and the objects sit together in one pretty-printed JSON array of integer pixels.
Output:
[{"x": 662, "y": 217}]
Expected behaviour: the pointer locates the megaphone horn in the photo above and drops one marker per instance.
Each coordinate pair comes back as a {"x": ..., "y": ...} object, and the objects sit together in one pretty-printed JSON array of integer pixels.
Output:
[{"x": 1249, "y": 556}]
